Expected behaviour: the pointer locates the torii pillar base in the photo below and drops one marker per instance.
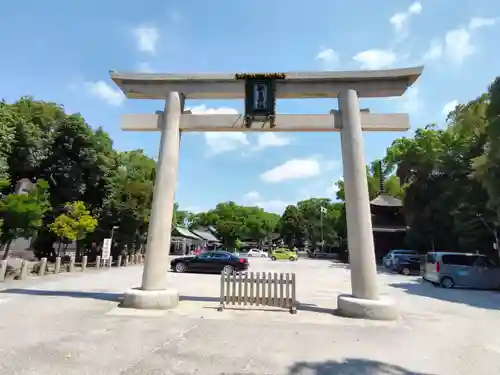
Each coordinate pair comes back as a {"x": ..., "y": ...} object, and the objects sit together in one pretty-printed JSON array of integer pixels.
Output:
[
  {"x": 380, "y": 309},
  {"x": 150, "y": 299}
]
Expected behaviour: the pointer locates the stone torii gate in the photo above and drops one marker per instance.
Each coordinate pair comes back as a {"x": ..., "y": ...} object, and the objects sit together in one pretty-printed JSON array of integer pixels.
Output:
[{"x": 260, "y": 92}]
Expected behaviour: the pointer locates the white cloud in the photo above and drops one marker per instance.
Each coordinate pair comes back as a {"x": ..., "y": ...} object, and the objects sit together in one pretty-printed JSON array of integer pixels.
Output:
[
  {"x": 274, "y": 205},
  {"x": 458, "y": 46},
  {"x": 220, "y": 142},
  {"x": 376, "y": 59},
  {"x": 252, "y": 195},
  {"x": 146, "y": 38},
  {"x": 400, "y": 20},
  {"x": 294, "y": 169},
  {"x": 145, "y": 67},
  {"x": 435, "y": 51},
  {"x": 193, "y": 209},
  {"x": 103, "y": 91},
  {"x": 450, "y": 106},
  {"x": 411, "y": 101},
  {"x": 479, "y": 22},
  {"x": 204, "y": 110},
  {"x": 457, "y": 43},
  {"x": 268, "y": 139},
  {"x": 328, "y": 58}
]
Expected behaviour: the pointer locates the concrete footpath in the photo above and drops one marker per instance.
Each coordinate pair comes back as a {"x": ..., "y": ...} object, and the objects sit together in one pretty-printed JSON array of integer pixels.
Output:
[{"x": 70, "y": 324}]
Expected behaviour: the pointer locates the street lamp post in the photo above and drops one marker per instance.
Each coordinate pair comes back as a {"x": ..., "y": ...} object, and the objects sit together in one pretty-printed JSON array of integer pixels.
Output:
[
  {"x": 113, "y": 233},
  {"x": 492, "y": 231}
]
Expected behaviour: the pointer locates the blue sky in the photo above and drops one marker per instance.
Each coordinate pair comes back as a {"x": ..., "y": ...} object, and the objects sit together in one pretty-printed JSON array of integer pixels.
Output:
[{"x": 62, "y": 52}]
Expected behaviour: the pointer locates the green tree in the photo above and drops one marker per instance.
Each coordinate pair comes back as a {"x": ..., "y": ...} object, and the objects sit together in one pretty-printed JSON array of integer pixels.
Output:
[
  {"x": 233, "y": 222},
  {"x": 292, "y": 227},
  {"x": 321, "y": 228},
  {"x": 374, "y": 172},
  {"x": 129, "y": 197},
  {"x": 22, "y": 214},
  {"x": 74, "y": 224}
]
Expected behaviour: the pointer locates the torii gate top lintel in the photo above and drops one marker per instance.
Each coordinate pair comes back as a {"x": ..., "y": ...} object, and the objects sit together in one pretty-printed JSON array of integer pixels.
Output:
[{"x": 325, "y": 84}]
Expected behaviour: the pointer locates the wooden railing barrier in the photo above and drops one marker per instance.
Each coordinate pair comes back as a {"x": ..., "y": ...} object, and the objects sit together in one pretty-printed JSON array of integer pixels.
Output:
[{"x": 261, "y": 289}]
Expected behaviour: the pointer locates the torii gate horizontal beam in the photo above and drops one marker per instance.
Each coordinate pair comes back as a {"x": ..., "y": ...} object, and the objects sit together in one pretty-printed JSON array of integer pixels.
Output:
[
  {"x": 367, "y": 83},
  {"x": 284, "y": 123}
]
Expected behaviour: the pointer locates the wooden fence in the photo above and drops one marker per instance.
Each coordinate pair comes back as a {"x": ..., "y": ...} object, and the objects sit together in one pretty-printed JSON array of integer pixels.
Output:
[{"x": 276, "y": 290}]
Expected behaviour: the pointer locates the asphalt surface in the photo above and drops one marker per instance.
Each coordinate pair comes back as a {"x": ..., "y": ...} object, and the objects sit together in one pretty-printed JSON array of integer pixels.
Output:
[{"x": 70, "y": 324}]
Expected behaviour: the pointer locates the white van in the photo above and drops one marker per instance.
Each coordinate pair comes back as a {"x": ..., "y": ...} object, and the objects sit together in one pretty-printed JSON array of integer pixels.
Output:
[{"x": 448, "y": 269}]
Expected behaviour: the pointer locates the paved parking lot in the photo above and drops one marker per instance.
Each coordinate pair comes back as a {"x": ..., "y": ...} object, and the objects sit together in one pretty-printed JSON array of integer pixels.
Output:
[{"x": 70, "y": 324}]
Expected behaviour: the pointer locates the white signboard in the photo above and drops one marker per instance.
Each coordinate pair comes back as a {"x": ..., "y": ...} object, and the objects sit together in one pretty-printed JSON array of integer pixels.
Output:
[{"x": 106, "y": 248}]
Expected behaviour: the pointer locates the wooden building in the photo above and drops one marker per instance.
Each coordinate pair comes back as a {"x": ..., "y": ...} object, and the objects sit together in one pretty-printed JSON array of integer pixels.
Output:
[{"x": 388, "y": 222}]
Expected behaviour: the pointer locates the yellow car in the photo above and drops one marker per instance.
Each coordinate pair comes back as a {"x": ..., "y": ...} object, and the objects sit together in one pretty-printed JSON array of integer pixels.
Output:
[{"x": 283, "y": 254}]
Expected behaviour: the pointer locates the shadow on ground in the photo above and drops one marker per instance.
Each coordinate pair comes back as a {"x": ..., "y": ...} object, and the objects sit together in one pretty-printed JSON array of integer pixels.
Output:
[
  {"x": 477, "y": 298},
  {"x": 101, "y": 296},
  {"x": 339, "y": 265},
  {"x": 350, "y": 366},
  {"x": 117, "y": 297}
]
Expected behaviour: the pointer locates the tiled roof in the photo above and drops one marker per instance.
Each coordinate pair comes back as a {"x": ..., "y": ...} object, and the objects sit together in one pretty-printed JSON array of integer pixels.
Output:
[
  {"x": 385, "y": 200},
  {"x": 184, "y": 232},
  {"x": 207, "y": 236}
]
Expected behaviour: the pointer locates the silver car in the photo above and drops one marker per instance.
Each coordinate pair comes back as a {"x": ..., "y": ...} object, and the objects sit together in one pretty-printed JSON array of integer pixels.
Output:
[{"x": 448, "y": 270}]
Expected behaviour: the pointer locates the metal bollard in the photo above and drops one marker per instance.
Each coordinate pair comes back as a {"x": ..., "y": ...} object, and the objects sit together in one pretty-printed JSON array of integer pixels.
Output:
[
  {"x": 84, "y": 262},
  {"x": 71, "y": 265},
  {"x": 57, "y": 268},
  {"x": 97, "y": 261},
  {"x": 125, "y": 264},
  {"x": 43, "y": 266},
  {"x": 110, "y": 261},
  {"x": 119, "y": 261}
]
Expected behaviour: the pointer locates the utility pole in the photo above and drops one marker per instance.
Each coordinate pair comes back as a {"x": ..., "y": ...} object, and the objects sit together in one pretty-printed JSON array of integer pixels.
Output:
[
  {"x": 322, "y": 210},
  {"x": 493, "y": 231}
]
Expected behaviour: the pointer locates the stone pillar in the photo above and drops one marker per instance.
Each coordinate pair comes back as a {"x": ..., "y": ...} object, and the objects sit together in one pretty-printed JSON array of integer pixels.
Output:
[
  {"x": 153, "y": 293},
  {"x": 365, "y": 301},
  {"x": 3, "y": 269},
  {"x": 84, "y": 262},
  {"x": 43, "y": 266},
  {"x": 24, "y": 270},
  {"x": 57, "y": 267}
]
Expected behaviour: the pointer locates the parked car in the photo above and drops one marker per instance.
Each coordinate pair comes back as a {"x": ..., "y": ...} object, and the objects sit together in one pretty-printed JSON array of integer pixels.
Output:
[
  {"x": 257, "y": 253},
  {"x": 388, "y": 259},
  {"x": 283, "y": 254},
  {"x": 406, "y": 264},
  {"x": 210, "y": 262},
  {"x": 448, "y": 270}
]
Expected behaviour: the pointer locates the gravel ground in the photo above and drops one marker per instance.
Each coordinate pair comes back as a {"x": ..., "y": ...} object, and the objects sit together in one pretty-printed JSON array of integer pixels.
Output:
[{"x": 70, "y": 324}]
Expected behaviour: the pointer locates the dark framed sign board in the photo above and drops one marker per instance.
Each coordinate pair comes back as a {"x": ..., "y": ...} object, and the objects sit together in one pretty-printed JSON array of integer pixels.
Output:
[{"x": 260, "y": 97}]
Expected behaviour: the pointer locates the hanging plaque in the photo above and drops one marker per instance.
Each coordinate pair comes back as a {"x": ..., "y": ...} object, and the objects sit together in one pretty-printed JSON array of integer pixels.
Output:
[{"x": 260, "y": 97}]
